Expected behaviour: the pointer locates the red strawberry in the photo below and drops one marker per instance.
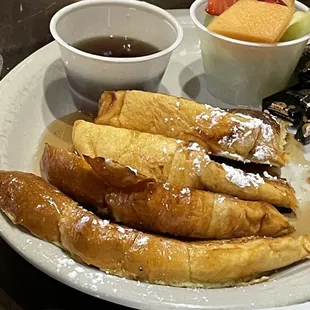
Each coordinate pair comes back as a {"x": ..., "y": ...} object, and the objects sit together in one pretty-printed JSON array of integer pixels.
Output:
[
  {"x": 274, "y": 1},
  {"x": 217, "y": 7}
]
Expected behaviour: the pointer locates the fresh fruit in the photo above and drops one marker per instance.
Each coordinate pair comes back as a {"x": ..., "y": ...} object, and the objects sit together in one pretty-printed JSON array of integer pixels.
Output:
[
  {"x": 253, "y": 21},
  {"x": 217, "y": 7},
  {"x": 274, "y": 1},
  {"x": 298, "y": 27},
  {"x": 208, "y": 20}
]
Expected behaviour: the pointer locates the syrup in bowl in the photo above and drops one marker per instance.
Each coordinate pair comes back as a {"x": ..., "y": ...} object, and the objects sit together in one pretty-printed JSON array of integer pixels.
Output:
[{"x": 116, "y": 46}]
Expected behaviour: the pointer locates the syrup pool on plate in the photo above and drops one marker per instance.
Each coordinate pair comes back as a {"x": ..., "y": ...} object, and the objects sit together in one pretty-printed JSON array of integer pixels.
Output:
[
  {"x": 297, "y": 173},
  {"x": 58, "y": 134}
]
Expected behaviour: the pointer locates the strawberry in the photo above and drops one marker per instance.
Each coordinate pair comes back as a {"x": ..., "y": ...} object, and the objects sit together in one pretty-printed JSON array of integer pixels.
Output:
[
  {"x": 217, "y": 7},
  {"x": 274, "y": 1}
]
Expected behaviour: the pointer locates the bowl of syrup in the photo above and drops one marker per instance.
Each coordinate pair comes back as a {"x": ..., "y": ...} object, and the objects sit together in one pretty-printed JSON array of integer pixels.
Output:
[{"x": 114, "y": 45}]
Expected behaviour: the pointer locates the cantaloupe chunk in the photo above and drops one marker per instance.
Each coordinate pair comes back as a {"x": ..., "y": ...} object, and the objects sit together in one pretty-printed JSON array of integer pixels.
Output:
[
  {"x": 253, "y": 21},
  {"x": 290, "y": 4}
]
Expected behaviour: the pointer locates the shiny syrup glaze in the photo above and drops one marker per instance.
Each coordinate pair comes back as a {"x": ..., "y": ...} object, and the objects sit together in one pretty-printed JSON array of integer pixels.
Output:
[
  {"x": 297, "y": 172},
  {"x": 116, "y": 46},
  {"x": 58, "y": 134}
]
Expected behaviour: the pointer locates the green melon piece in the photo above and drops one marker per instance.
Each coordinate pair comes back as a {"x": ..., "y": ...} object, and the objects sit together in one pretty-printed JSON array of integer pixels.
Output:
[
  {"x": 298, "y": 27},
  {"x": 208, "y": 19}
]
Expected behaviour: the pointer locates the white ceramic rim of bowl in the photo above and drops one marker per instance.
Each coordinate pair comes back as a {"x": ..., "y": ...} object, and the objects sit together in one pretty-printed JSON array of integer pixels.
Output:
[
  {"x": 198, "y": 3},
  {"x": 139, "y": 4}
]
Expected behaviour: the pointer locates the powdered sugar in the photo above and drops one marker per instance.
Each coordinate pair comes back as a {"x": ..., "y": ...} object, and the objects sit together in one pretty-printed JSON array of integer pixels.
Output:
[
  {"x": 103, "y": 223},
  {"x": 79, "y": 269},
  {"x": 135, "y": 171},
  {"x": 234, "y": 156},
  {"x": 220, "y": 199},
  {"x": 268, "y": 176},
  {"x": 166, "y": 186},
  {"x": 243, "y": 130},
  {"x": 261, "y": 153},
  {"x": 240, "y": 178},
  {"x": 64, "y": 263},
  {"x": 194, "y": 146},
  {"x": 72, "y": 275},
  {"x": 267, "y": 132},
  {"x": 197, "y": 164},
  {"x": 185, "y": 191},
  {"x": 143, "y": 240},
  {"x": 121, "y": 229}
]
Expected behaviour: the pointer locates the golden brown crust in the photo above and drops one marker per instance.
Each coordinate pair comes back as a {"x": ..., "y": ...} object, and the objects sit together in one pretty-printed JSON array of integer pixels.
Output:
[
  {"x": 25, "y": 198},
  {"x": 278, "y": 127},
  {"x": 118, "y": 176},
  {"x": 219, "y": 132},
  {"x": 161, "y": 208},
  {"x": 196, "y": 214},
  {"x": 73, "y": 175},
  {"x": 180, "y": 163},
  {"x": 135, "y": 255}
]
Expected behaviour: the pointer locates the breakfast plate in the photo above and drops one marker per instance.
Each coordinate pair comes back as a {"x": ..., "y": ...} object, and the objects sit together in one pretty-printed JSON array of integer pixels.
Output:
[{"x": 35, "y": 104}]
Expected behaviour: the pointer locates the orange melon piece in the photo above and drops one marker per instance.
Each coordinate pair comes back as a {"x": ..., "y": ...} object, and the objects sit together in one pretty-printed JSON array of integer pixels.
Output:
[
  {"x": 253, "y": 21},
  {"x": 290, "y": 4}
]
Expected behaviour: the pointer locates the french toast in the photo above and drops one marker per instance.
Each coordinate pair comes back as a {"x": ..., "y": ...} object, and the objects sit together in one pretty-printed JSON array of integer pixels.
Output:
[
  {"x": 148, "y": 205},
  {"x": 180, "y": 163},
  {"x": 219, "y": 132},
  {"x": 47, "y": 213}
]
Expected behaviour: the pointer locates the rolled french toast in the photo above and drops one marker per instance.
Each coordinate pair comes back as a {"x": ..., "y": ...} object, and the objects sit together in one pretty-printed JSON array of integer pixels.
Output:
[
  {"x": 180, "y": 163},
  {"x": 38, "y": 206},
  {"x": 239, "y": 137},
  {"x": 145, "y": 204}
]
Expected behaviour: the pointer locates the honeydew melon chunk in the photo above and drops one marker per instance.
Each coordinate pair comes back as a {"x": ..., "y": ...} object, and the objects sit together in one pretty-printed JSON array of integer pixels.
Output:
[
  {"x": 298, "y": 27},
  {"x": 208, "y": 19}
]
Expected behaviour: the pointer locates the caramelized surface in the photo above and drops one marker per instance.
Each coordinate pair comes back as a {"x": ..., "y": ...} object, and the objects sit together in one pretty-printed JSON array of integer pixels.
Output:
[
  {"x": 159, "y": 207},
  {"x": 178, "y": 162},
  {"x": 219, "y": 132},
  {"x": 135, "y": 255}
]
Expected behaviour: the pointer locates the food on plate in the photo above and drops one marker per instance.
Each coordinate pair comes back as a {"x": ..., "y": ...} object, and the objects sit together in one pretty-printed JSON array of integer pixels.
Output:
[
  {"x": 216, "y": 7},
  {"x": 35, "y": 204},
  {"x": 150, "y": 192},
  {"x": 253, "y": 21},
  {"x": 177, "y": 162},
  {"x": 221, "y": 133},
  {"x": 299, "y": 26},
  {"x": 159, "y": 207},
  {"x": 208, "y": 19},
  {"x": 260, "y": 21}
]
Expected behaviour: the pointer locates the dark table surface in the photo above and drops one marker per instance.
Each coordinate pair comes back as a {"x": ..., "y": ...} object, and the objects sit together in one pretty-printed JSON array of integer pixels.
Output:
[{"x": 23, "y": 29}]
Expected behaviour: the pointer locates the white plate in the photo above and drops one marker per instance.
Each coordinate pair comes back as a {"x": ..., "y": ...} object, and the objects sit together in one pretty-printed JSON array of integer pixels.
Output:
[{"x": 31, "y": 97}]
